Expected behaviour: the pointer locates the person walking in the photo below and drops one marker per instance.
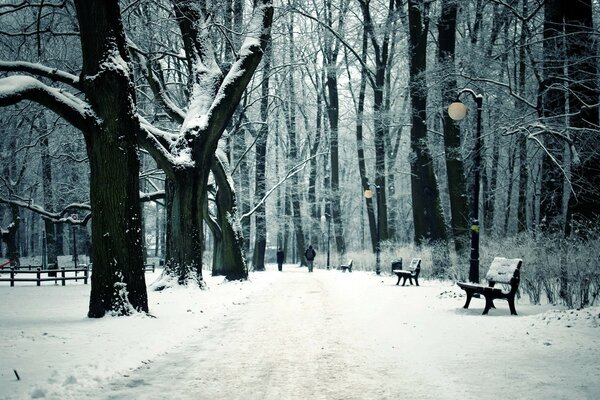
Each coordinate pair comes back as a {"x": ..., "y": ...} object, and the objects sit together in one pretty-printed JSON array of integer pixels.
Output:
[
  {"x": 310, "y": 255},
  {"x": 280, "y": 257}
]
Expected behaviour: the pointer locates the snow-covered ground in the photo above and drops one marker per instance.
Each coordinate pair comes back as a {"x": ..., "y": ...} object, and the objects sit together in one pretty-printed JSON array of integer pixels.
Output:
[{"x": 295, "y": 335}]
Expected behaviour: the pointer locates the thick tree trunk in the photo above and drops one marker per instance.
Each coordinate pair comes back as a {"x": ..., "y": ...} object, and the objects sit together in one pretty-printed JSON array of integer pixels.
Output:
[
  {"x": 584, "y": 95},
  {"x": 260, "y": 226},
  {"x": 455, "y": 170},
  {"x": 333, "y": 113},
  {"x": 427, "y": 211},
  {"x": 118, "y": 283},
  {"x": 232, "y": 262},
  {"x": 522, "y": 141},
  {"x": 552, "y": 102},
  {"x": 185, "y": 227},
  {"x": 118, "y": 276}
]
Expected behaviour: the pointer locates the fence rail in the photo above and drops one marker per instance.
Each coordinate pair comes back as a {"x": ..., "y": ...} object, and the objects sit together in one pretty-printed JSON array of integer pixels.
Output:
[{"x": 51, "y": 275}]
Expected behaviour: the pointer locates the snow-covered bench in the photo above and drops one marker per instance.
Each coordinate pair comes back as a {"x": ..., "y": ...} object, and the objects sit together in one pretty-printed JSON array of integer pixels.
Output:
[
  {"x": 412, "y": 272},
  {"x": 345, "y": 267},
  {"x": 503, "y": 270}
]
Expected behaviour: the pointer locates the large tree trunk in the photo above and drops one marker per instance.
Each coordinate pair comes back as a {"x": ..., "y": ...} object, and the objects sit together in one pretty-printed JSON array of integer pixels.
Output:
[
  {"x": 522, "y": 142},
  {"x": 552, "y": 102},
  {"x": 330, "y": 54},
  {"x": 455, "y": 170},
  {"x": 118, "y": 283},
  {"x": 260, "y": 234},
  {"x": 232, "y": 262},
  {"x": 584, "y": 95},
  {"x": 427, "y": 211},
  {"x": 185, "y": 245}
]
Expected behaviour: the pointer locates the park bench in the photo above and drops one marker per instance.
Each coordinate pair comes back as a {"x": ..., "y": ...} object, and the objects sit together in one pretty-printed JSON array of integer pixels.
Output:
[
  {"x": 505, "y": 271},
  {"x": 346, "y": 267},
  {"x": 412, "y": 272}
]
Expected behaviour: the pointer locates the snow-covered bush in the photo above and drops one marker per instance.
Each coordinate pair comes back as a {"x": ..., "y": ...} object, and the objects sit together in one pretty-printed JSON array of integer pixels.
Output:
[{"x": 565, "y": 270}]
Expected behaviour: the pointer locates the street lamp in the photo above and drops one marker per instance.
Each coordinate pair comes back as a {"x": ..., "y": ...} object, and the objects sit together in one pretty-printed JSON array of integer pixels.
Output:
[
  {"x": 74, "y": 216},
  {"x": 457, "y": 111},
  {"x": 368, "y": 195},
  {"x": 327, "y": 217}
]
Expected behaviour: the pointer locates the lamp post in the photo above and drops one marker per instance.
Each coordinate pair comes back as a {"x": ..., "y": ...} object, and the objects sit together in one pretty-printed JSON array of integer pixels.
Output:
[
  {"x": 327, "y": 217},
  {"x": 74, "y": 216},
  {"x": 457, "y": 111},
  {"x": 369, "y": 194}
]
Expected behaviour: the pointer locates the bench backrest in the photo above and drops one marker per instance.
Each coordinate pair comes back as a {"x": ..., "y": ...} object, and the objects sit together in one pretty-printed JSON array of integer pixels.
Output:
[
  {"x": 415, "y": 264},
  {"x": 504, "y": 270},
  {"x": 396, "y": 264}
]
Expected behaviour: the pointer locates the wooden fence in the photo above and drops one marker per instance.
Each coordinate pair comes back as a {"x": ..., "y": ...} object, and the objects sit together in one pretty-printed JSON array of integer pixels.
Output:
[{"x": 50, "y": 275}]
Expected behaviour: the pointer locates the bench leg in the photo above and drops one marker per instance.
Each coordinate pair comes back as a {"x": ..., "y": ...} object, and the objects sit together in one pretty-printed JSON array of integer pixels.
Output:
[
  {"x": 404, "y": 281},
  {"x": 469, "y": 297},
  {"x": 399, "y": 277},
  {"x": 416, "y": 281},
  {"x": 511, "y": 305},
  {"x": 489, "y": 303}
]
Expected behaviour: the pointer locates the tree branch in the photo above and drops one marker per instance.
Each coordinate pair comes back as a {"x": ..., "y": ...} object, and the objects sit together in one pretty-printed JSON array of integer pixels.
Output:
[
  {"x": 293, "y": 171},
  {"x": 157, "y": 86},
  {"x": 58, "y": 217},
  {"x": 15, "y": 89},
  {"x": 54, "y": 74}
]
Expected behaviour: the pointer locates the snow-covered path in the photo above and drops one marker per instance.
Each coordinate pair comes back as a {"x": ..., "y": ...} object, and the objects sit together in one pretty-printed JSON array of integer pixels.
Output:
[{"x": 330, "y": 335}]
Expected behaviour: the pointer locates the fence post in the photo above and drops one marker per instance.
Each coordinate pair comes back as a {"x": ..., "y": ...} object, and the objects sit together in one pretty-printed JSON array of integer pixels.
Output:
[
  {"x": 12, "y": 276},
  {"x": 39, "y": 276},
  {"x": 62, "y": 273}
]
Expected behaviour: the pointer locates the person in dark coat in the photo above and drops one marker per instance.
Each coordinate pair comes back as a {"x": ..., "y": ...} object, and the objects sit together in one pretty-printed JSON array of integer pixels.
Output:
[
  {"x": 310, "y": 255},
  {"x": 280, "y": 257}
]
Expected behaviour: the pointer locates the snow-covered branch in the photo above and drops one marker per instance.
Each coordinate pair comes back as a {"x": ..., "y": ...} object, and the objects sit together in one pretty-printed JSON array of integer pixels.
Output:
[
  {"x": 62, "y": 216},
  {"x": 156, "y": 85},
  {"x": 14, "y": 89},
  {"x": 293, "y": 171},
  {"x": 154, "y": 196},
  {"x": 54, "y": 74},
  {"x": 240, "y": 73},
  {"x": 158, "y": 143}
]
